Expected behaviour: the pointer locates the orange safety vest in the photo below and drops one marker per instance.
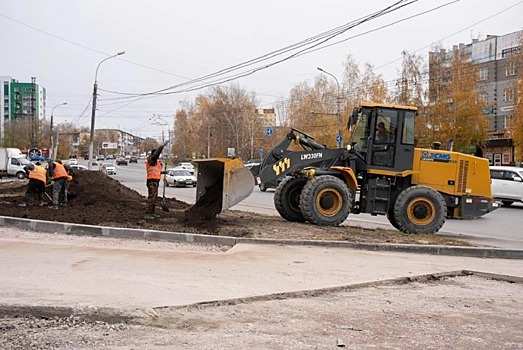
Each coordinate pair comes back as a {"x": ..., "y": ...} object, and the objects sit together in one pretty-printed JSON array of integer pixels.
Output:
[
  {"x": 154, "y": 172},
  {"x": 38, "y": 173},
  {"x": 59, "y": 171}
]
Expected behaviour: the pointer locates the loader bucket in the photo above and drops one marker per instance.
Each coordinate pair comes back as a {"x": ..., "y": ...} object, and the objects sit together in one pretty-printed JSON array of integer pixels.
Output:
[{"x": 221, "y": 183}]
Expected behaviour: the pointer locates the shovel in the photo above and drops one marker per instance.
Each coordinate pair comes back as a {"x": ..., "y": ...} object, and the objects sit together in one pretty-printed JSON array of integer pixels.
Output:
[{"x": 165, "y": 207}]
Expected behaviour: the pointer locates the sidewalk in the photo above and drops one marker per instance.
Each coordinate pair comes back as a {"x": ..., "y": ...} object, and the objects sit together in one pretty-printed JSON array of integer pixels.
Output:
[{"x": 59, "y": 270}]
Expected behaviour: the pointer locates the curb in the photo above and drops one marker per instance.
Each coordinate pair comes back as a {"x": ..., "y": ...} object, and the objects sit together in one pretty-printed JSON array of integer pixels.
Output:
[{"x": 117, "y": 232}]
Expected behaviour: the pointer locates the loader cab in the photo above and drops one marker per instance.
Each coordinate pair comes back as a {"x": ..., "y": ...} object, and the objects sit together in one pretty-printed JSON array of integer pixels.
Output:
[{"x": 383, "y": 137}]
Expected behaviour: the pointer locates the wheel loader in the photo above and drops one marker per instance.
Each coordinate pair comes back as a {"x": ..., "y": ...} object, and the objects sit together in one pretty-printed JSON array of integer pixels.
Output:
[{"x": 381, "y": 172}]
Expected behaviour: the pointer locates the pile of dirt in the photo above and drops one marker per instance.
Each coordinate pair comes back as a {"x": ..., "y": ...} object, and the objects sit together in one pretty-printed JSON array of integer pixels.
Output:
[{"x": 97, "y": 199}]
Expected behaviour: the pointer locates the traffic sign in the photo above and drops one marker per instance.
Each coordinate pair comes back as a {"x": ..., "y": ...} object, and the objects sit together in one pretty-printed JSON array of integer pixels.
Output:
[
  {"x": 339, "y": 138},
  {"x": 269, "y": 131},
  {"x": 260, "y": 151}
]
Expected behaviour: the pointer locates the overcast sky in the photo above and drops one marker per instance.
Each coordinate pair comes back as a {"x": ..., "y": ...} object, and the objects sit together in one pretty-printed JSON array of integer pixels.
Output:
[{"x": 168, "y": 42}]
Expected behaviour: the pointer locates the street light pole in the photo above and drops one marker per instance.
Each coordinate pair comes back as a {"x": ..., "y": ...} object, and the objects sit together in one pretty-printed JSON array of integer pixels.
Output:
[
  {"x": 93, "y": 114},
  {"x": 51, "y": 139},
  {"x": 338, "y": 102}
]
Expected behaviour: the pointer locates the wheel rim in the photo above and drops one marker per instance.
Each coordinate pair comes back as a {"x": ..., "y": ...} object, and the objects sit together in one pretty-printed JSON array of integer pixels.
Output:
[
  {"x": 421, "y": 211},
  {"x": 329, "y": 202}
]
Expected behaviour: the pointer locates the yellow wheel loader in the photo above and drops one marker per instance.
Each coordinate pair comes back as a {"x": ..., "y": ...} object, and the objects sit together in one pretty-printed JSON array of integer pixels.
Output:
[{"x": 380, "y": 172}]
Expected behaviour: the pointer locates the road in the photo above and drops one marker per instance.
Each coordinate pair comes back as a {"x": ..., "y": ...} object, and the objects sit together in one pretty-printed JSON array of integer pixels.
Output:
[{"x": 501, "y": 229}]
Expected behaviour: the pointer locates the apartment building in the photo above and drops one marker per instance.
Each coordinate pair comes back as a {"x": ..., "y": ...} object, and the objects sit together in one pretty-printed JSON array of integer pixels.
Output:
[
  {"x": 21, "y": 100},
  {"x": 495, "y": 59}
]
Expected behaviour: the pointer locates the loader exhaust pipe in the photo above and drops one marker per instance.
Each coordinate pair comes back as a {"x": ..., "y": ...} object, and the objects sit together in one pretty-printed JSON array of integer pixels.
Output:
[{"x": 221, "y": 183}]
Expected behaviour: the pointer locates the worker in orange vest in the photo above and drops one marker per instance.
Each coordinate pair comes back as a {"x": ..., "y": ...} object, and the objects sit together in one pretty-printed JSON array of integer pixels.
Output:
[
  {"x": 58, "y": 173},
  {"x": 37, "y": 180},
  {"x": 154, "y": 173}
]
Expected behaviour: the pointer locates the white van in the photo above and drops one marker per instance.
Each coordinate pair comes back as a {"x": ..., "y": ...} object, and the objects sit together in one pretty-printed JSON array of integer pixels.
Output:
[{"x": 507, "y": 184}]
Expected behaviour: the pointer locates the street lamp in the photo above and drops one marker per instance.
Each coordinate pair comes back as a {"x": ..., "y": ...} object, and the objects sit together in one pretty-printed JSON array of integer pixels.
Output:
[
  {"x": 93, "y": 115},
  {"x": 338, "y": 113},
  {"x": 51, "y": 139},
  {"x": 156, "y": 118}
]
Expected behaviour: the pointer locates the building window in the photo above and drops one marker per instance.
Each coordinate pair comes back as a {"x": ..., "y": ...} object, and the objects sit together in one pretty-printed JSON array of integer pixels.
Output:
[
  {"x": 510, "y": 69},
  {"x": 516, "y": 50},
  {"x": 483, "y": 74},
  {"x": 508, "y": 95}
]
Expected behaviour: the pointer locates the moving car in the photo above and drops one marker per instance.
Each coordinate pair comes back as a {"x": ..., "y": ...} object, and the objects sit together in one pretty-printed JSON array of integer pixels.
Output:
[
  {"x": 133, "y": 159},
  {"x": 108, "y": 168},
  {"x": 73, "y": 161},
  {"x": 121, "y": 161},
  {"x": 180, "y": 177},
  {"x": 100, "y": 157},
  {"x": 507, "y": 184},
  {"x": 186, "y": 166},
  {"x": 78, "y": 167}
]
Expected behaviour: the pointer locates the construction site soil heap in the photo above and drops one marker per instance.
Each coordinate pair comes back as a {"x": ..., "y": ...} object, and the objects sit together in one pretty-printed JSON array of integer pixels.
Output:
[{"x": 98, "y": 199}]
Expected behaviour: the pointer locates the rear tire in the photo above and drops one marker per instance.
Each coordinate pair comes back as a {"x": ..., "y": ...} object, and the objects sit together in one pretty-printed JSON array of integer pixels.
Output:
[
  {"x": 287, "y": 198},
  {"x": 325, "y": 201},
  {"x": 392, "y": 219},
  {"x": 420, "y": 210},
  {"x": 262, "y": 187},
  {"x": 507, "y": 203}
]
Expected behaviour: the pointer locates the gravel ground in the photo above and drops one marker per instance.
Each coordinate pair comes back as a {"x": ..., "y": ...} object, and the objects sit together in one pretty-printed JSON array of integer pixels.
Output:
[
  {"x": 465, "y": 312},
  {"x": 461, "y": 312}
]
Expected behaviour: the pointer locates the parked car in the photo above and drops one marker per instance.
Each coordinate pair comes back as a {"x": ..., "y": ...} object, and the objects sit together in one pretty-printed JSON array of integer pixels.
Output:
[
  {"x": 186, "y": 166},
  {"x": 121, "y": 161},
  {"x": 108, "y": 168},
  {"x": 180, "y": 177},
  {"x": 100, "y": 157},
  {"x": 78, "y": 167},
  {"x": 109, "y": 156},
  {"x": 73, "y": 161},
  {"x": 133, "y": 159},
  {"x": 507, "y": 184}
]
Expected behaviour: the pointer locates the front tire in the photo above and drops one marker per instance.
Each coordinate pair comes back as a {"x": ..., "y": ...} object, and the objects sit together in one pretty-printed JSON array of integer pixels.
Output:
[
  {"x": 262, "y": 187},
  {"x": 325, "y": 201},
  {"x": 287, "y": 198},
  {"x": 20, "y": 175},
  {"x": 507, "y": 203},
  {"x": 420, "y": 210}
]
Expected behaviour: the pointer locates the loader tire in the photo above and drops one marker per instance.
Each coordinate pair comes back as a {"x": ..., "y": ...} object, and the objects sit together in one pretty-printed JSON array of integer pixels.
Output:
[
  {"x": 420, "y": 210},
  {"x": 325, "y": 201},
  {"x": 287, "y": 198},
  {"x": 392, "y": 219}
]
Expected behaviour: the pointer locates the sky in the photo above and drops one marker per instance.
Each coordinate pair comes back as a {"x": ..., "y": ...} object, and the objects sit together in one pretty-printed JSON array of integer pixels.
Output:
[{"x": 170, "y": 42}]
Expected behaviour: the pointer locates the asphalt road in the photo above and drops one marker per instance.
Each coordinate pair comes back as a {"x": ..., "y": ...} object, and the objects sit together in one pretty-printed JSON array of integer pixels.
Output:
[{"x": 501, "y": 229}]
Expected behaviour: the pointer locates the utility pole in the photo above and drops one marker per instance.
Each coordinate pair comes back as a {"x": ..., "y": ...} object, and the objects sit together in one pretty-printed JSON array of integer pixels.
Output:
[
  {"x": 34, "y": 119},
  {"x": 93, "y": 112},
  {"x": 51, "y": 139}
]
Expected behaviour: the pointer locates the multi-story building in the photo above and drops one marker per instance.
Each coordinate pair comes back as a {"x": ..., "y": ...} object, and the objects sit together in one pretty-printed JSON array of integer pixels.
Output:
[
  {"x": 21, "y": 100},
  {"x": 496, "y": 66}
]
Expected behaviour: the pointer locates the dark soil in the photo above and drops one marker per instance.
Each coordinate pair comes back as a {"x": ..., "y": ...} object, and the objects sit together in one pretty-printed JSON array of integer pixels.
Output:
[{"x": 97, "y": 199}]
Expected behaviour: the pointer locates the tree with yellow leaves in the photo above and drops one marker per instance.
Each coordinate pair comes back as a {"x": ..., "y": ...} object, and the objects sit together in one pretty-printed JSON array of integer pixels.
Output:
[{"x": 455, "y": 111}]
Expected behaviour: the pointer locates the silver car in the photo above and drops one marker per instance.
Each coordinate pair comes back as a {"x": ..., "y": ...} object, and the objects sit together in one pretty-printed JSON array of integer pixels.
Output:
[{"x": 180, "y": 178}]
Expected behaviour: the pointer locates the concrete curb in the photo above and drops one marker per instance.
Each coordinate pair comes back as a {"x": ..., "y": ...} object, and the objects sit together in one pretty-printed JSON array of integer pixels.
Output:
[{"x": 117, "y": 232}]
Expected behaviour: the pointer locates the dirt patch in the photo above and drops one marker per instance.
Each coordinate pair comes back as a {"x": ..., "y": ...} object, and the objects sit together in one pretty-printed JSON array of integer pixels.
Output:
[
  {"x": 97, "y": 199},
  {"x": 462, "y": 313}
]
